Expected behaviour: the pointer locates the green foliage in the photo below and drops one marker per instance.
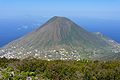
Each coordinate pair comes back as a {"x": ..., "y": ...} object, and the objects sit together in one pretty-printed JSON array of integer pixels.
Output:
[{"x": 59, "y": 70}]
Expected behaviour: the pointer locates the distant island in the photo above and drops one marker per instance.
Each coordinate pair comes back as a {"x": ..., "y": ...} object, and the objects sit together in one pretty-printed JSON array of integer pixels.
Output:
[{"x": 62, "y": 39}]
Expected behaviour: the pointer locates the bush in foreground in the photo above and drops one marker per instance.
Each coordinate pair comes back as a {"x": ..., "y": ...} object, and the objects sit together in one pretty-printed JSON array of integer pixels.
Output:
[{"x": 36, "y": 69}]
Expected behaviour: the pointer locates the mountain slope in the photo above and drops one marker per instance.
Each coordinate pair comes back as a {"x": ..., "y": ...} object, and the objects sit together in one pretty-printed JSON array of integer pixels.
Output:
[{"x": 58, "y": 38}]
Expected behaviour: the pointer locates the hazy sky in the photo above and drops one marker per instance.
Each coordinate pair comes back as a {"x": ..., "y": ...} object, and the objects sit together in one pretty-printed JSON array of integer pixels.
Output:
[{"x": 88, "y": 8}]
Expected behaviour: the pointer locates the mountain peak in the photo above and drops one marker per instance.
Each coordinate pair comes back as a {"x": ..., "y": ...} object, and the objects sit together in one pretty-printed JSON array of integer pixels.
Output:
[
  {"x": 57, "y": 22},
  {"x": 58, "y": 19}
]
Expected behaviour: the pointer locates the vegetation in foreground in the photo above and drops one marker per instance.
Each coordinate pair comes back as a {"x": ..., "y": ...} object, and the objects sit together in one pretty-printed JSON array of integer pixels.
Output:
[{"x": 35, "y": 69}]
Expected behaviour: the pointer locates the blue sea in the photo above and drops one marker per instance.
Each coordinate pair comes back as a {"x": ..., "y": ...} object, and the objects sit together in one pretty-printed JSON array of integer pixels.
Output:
[{"x": 11, "y": 29}]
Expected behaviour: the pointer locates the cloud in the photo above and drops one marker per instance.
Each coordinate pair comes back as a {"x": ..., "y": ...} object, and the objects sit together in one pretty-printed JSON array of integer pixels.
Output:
[{"x": 23, "y": 27}]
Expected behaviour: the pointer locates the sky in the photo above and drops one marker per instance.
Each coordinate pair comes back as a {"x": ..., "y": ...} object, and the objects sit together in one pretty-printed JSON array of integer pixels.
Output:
[{"x": 105, "y": 9}]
